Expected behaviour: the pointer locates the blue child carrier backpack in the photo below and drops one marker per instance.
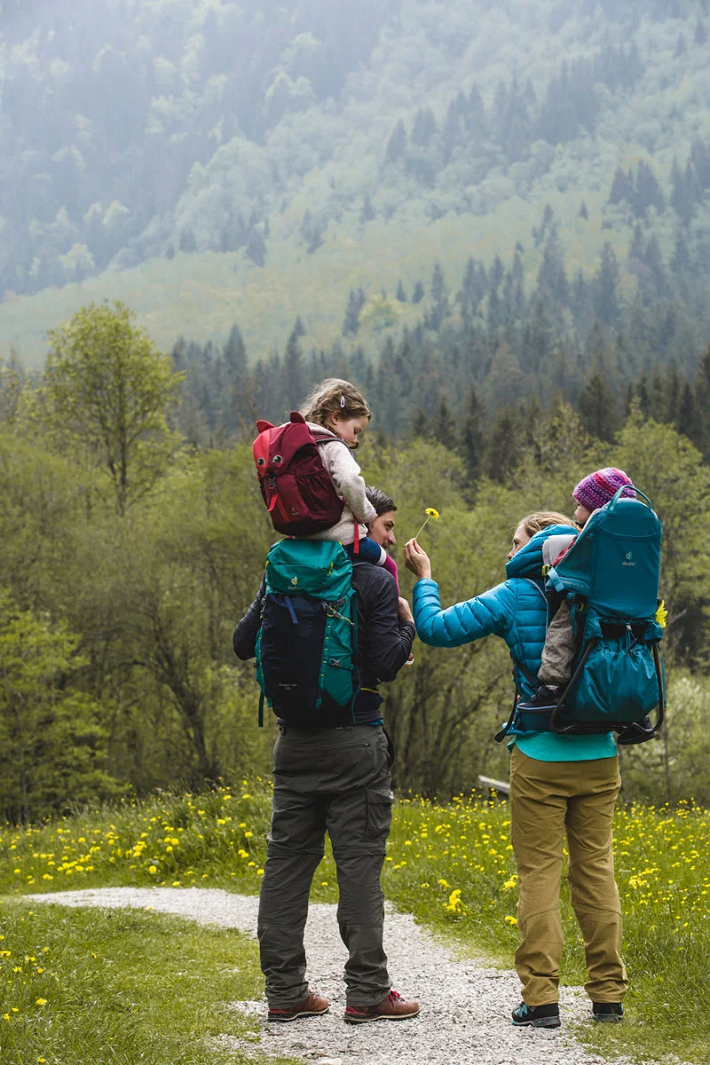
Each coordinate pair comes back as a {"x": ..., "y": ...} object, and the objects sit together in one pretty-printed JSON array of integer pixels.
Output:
[
  {"x": 308, "y": 634},
  {"x": 610, "y": 578}
]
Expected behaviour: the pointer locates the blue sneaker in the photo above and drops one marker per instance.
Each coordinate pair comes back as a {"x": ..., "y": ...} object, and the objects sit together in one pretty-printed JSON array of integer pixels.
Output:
[
  {"x": 537, "y": 1016},
  {"x": 607, "y": 1011}
]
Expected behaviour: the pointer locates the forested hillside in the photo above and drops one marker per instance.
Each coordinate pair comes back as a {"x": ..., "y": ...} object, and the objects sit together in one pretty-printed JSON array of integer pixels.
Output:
[
  {"x": 257, "y": 161},
  {"x": 128, "y": 554}
]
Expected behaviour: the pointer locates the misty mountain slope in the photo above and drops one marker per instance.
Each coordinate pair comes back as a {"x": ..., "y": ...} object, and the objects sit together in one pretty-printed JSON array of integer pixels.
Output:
[{"x": 214, "y": 162}]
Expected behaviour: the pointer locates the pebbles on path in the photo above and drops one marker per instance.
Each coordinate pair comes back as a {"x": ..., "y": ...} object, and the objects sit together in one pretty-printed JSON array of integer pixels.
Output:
[{"x": 465, "y": 1007}]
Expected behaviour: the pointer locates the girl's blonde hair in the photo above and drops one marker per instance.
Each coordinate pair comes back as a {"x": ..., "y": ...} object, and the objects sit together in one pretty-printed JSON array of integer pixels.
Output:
[
  {"x": 543, "y": 519},
  {"x": 334, "y": 396}
]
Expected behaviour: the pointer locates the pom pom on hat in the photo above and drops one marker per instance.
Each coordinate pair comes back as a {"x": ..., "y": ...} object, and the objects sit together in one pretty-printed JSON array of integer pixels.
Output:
[{"x": 601, "y": 486}]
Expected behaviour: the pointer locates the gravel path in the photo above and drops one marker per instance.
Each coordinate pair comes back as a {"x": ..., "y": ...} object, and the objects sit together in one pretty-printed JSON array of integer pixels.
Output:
[{"x": 465, "y": 1018}]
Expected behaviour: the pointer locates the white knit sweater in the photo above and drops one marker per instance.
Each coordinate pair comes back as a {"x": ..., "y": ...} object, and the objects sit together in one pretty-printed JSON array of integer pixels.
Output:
[{"x": 340, "y": 463}]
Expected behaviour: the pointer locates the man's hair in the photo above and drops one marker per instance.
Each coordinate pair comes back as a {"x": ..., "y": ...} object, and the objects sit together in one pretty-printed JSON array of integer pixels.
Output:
[
  {"x": 334, "y": 396},
  {"x": 380, "y": 500},
  {"x": 543, "y": 519}
]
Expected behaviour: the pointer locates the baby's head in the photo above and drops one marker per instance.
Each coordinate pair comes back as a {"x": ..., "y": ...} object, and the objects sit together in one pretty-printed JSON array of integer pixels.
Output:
[
  {"x": 337, "y": 405},
  {"x": 598, "y": 488}
]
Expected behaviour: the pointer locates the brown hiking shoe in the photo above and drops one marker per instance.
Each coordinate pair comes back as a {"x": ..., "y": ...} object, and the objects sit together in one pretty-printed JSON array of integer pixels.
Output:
[
  {"x": 392, "y": 1008},
  {"x": 312, "y": 1006}
]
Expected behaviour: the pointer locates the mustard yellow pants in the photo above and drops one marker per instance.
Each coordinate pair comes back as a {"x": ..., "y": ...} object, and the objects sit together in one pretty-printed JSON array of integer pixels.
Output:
[{"x": 551, "y": 801}]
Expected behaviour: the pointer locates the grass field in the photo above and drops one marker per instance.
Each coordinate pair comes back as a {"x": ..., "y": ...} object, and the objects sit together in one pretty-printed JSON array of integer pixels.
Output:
[
  {"x": 83, "y": 986},
  {"x": 451, "y": 865}
]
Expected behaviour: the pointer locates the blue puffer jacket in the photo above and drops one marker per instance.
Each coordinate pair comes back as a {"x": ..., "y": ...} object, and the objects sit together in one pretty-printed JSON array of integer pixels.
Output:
[{"x": 516, "y": 610}]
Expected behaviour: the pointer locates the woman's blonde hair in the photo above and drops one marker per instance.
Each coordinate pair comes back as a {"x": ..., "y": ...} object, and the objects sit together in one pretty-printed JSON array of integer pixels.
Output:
[
  {"x": 543, "y": 519},
  {"x": 334, "y": 396}
]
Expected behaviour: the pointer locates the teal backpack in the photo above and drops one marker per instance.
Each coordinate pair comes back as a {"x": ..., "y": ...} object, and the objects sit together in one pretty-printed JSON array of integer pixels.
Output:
[
  {"x": 308, "y": 634},
  {"x": 610, "y": 578}
]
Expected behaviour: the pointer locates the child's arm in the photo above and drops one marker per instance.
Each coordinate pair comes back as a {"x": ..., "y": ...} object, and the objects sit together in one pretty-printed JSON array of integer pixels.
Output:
[{"x": 349, "y": 485}]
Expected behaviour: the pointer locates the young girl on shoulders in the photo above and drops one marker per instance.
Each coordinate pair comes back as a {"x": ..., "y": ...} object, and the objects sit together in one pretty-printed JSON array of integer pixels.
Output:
[{"x": 338, "y": 415}]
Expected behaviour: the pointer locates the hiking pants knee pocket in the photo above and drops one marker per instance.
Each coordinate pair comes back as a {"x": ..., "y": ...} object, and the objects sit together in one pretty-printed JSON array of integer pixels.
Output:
[{"x": 378, "y": 813}]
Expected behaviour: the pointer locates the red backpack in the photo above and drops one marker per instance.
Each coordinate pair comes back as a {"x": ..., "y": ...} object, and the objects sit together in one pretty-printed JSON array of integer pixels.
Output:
[{"x": 296, "y": 486}]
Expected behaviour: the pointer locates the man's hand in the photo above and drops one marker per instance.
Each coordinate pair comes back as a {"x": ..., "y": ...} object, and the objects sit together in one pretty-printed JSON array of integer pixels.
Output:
[
  {"x": 416, "y": 559},
  {"x": 404, "y": 612}
]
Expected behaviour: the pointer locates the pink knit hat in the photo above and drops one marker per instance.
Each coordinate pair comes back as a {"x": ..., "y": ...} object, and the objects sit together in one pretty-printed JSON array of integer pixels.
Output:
[{"x": 601, "y": 486}]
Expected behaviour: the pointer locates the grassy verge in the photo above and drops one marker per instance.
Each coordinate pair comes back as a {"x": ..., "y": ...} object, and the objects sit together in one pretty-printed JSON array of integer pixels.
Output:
[
  {"x": 451, "y": 865},
  {"x": 85, "y": 985}
]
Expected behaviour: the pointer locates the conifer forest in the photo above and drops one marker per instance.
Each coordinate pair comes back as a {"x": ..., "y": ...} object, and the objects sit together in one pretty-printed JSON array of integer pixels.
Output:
[{"x": 493, "y": 216}]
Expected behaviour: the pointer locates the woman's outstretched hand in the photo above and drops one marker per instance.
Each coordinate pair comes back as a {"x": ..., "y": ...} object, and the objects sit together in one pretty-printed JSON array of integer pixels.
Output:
[{"x": 416, "y": 559}]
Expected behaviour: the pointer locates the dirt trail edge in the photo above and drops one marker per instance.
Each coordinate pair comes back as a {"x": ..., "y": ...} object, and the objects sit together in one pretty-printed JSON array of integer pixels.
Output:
[{"x": 465, "y": 1007}]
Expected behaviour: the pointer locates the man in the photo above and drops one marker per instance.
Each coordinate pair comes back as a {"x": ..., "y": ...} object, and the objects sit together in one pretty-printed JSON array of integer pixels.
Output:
[
  {"x": 336, "y": 779},
  {"x": 381, "y": 530}
]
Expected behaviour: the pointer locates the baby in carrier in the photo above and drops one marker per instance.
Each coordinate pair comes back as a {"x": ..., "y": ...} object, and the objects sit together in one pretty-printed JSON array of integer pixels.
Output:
[{"x": 558, "y": 654}]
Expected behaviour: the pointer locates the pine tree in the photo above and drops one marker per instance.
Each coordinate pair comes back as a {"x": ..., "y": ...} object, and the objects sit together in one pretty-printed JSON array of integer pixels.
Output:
[
  {"x": 256, "y": 249},
  {"x": 293, "y": 371},
  {"x": 681, "y": 262},
  {"x": 439, "y": 297},
  {"x": 397, "y": 143},
  {"x": 234, "y": 353},
  {"x": 680, "y": 46},
  {"x": 420, "y": 425},
  {"x": 636, "y": 249},
  {"x": 648, "y": 191},
  {"x": 400, "y": 294},
  {"x": 424, "y": 128},
  {"x": 472, "y": 443},
  {"x": 681, "y": 201},
  {"x": 367, "y": 213},
  {"x": 622, "y": 187},
  {"x": 188, "y": 244},
  {"x": 443, "y": 426},
  {"x": 700, "y": 36},
  {"x": 598, "y": 409},
  {"x": 606, "y": 287},
  {"x": 352, "y": 314},
  {"x": 418, "y": 293},
  {"x": 701, "y": 390},
  {"x": 583, "y": 212},
  {"x": 689, "y": 420},
  {"x": 505, "y": 444}
]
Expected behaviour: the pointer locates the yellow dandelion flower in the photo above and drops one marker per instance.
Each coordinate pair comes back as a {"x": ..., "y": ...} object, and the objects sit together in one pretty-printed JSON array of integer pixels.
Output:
[
  {"x": 431, "y": 514},
  {"x": 511, "y": 920},
  {"x": 41, "y": 1002}
]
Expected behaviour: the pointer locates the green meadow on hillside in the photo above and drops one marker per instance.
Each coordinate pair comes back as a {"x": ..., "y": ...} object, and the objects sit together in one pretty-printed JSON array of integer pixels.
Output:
[{"x": 201, "y": 296}]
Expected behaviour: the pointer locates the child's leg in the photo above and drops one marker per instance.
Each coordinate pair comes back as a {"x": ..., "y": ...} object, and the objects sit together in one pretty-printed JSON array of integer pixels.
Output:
[
  {"x": 559, "y": 650},
  {"x": 391, "y": 566},
  {"x": 370, "y": 551}
]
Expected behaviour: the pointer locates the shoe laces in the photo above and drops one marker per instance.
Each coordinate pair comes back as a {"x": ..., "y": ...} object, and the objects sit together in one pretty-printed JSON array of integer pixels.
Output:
[{"x": 394, "y": 996}]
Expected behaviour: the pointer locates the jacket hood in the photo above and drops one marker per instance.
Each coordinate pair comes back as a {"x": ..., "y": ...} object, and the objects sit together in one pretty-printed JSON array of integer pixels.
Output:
[{"x": 528, "y": 562}]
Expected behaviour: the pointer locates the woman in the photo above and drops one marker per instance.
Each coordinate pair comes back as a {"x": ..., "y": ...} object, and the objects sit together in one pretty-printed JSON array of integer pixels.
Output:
[{"x": 550, "y": 797}]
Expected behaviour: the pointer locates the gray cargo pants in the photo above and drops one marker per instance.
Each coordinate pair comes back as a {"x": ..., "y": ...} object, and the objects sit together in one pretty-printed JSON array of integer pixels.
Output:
[{"x": 334, "y": 780}]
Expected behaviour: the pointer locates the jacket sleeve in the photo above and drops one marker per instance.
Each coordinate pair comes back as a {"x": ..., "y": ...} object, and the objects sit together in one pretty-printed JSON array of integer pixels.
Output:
[
  {"x": 489, "y": 614},
  {"x": 246, "y": 632},
  {"x": 384, "y": 642},
  {"x": 349, "y": 485}
]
